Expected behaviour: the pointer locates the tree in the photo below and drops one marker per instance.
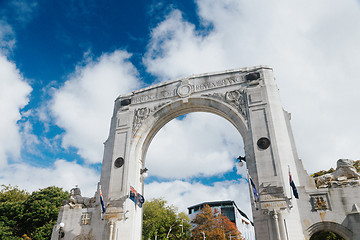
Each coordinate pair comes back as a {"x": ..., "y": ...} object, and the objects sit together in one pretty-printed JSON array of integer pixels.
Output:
[
  {"x": 41, "y": 210},
  {"x": 161, "y": 221},
  {"x": 24, "y": 215},
  {"x": 11, "y": 209},
  {"x": 214, "y": 226},
  {"x": 325, "y": 235}
]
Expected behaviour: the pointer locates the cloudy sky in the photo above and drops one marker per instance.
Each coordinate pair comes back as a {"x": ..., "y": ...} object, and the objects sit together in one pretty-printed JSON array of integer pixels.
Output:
[{"x": 62, "y": 64}]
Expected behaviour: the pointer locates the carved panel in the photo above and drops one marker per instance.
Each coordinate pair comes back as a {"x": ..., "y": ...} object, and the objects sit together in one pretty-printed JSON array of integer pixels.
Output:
[
  {"x": 236, "y": 98},
  {"x": 143, "y": 113},
  {"x": 140, "y": 115},
  {"x": 319, "y": 202},
  {"x": 184, "y": 90},
  {"x": 85, "y": 218}
]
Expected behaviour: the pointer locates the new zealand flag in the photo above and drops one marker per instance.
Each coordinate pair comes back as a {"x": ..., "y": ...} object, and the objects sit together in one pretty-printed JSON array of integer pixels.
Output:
[
  {"x": 136, "y": 197},
  {"x": 292, "y": 184},
  {"x": 255, "y": 192}
]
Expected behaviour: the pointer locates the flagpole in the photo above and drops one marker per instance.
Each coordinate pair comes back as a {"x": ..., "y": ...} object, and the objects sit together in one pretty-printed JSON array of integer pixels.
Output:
[
  {"x": 251, "y": 190},
  {"x": 289, "y": 183},
  {"x": 102, "y": 204},
  {"x": 293, "y": 186}
]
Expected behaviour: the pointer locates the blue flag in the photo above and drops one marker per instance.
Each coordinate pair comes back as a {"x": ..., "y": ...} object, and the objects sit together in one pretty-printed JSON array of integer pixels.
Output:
[
  {"x": 136, "y": 197},
  {"x": 255, "y": 192},
  {"x": 292, "y": 184}
]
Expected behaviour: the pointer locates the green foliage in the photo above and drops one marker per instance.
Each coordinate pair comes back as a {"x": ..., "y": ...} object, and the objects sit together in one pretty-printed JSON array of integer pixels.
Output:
[
  {"x": 11, "y": 210},
  {"x": 322, "y": 172},
  {"x": 357, "y": 165},
  {"x": 23, "y": 214},
  {"x": 325, "y": 235},
  {"x": 161, "y": 221}
]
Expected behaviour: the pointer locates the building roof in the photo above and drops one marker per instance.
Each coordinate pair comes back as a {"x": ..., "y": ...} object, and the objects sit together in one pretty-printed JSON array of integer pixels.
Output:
[{"x": 221, "y": 203}]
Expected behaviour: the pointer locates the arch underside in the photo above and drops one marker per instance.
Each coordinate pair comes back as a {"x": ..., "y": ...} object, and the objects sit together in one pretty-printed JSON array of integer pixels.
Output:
[
  {"x": 330, "y": 227},
  {"x": 177, "y": 108}
]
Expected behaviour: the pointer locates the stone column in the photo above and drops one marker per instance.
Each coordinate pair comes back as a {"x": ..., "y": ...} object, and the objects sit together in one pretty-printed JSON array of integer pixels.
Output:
[
  {"x": 282, "y": 226},
  {"x": 111, "y": 229},
  {"x": 275, "y": 218}
]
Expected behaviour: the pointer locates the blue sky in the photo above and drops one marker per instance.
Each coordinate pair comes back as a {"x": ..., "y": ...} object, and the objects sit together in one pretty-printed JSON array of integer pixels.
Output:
[{"x": 63, "y": 63}]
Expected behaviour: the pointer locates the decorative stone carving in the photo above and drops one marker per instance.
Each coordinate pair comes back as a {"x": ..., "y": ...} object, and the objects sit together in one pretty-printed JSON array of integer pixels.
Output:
[
  {"x": 86, "y": 218},
  {"x": 76, "y": 198},
  {"x": 119, "y": 162},
  {"x": 184, "y": 90},
  {"x": 143, "y": 113},
  {"x": 345, "y": 174},
  {"x": 236, "y": 98},
  {"x": 140, "y": 115},
  {"x": 272, "y": 197},
  {"x": 319, "y": 202},
  {"x": 263, "y": 143}
]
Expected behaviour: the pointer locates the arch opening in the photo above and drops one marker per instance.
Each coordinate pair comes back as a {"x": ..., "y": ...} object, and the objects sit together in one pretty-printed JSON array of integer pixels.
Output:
[
  {"x": 326, "y": 235},
  {"x": 178, "y": 108},
  {"x": 192, "y": 160},
  {"x": 329, "y": 230},
  {"x": 198, "y": 151}
]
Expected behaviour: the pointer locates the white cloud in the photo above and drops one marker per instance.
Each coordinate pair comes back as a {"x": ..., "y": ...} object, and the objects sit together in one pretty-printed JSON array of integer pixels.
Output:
[
  {"x": 62, "y": 174},
  {"x": 313, "y": 51},
  {"x": 14, "y": 93},
  {"x": 201, "y": 144},
  {"x": 83, "y": 106},
  {"x": 7, "y": 38},
  {"x": 29, "y": 139},
  {"x": 184, "y": 194}
]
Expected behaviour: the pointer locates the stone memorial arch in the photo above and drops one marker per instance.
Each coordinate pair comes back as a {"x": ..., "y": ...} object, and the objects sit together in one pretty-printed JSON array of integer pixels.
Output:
[{"x": 249, "y": 99}]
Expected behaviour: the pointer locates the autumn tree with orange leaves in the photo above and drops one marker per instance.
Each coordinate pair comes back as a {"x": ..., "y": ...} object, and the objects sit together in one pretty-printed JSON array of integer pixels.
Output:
[{"x": 214, "y": 226}]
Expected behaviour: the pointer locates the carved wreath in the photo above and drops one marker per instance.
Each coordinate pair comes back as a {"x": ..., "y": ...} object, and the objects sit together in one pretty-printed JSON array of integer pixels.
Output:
[{"x": 235, "y": 98}]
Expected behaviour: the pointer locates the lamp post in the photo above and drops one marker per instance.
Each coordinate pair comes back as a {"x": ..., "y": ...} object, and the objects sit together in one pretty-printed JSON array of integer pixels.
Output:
[
  {"x": 61, "y": 230},
  {"x": 143, "y": 172},
  {"x": 241, "y": 160}
]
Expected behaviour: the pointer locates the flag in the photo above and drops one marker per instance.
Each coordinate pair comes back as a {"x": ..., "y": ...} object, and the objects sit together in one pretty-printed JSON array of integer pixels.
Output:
[
  {"x": 292, "y": 184},
  {"x": 136, "y": 197},
  {"x": 102, "y": 200},
  {"x": 255, "y": 192}
]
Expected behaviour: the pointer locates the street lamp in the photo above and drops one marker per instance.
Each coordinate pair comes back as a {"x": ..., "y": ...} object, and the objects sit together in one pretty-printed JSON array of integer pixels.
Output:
[
  {"x": 143, "y": 172},
  {"x": 61, "y": 230},
  {"x": 241, "y": 160}
]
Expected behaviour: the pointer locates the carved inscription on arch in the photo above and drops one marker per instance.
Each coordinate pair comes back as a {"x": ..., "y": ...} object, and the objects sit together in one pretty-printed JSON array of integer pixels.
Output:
[
  {"x": 152, "y": 97},
  {"x": 186, "y": 90},
  {"x": 218, "y": 83}
]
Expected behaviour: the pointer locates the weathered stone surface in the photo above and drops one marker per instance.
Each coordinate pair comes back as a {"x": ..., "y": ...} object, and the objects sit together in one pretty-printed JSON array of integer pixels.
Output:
[
  {"x": 249, "y": 99},
  {"x": 345, "y": 174}
]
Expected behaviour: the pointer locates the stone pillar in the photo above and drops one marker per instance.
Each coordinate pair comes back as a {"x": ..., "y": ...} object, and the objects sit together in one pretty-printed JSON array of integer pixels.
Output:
[
  {"x": 282, "y": 226},
  {"x": 275, "y": 218}
]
